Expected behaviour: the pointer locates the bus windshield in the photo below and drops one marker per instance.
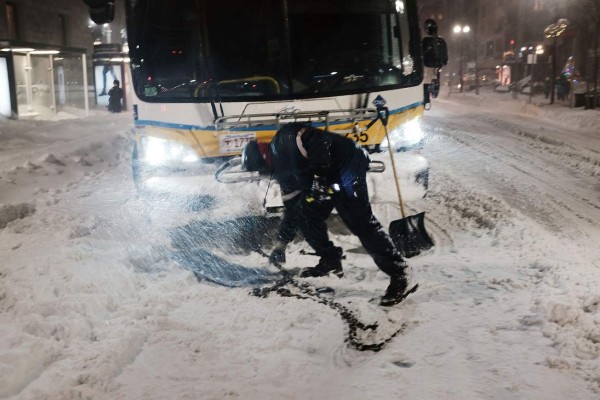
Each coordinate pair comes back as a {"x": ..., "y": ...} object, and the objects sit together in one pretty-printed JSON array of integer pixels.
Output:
[{"x": 238, "y": 50}]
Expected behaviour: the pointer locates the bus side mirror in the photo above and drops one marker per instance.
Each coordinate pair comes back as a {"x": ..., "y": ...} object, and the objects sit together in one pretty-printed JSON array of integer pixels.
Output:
[
  {"x": 101, "y": 11},
  {"x": 435, "y": 52},
  {"x": 435, "y": 55}
]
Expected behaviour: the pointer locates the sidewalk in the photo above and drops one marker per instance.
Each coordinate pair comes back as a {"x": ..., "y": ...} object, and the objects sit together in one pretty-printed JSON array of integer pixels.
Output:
[{"x": 559, "y": 113}]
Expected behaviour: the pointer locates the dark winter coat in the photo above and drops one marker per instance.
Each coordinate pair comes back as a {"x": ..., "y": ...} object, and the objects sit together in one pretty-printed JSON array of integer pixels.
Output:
[
  {"x": 114, "y": 99},
  {"x": 299, "y": 152}
]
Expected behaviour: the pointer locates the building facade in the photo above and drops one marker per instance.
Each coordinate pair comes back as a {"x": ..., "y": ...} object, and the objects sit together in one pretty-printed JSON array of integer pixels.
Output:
[
  {"x": 46, "y": 56},
  {"x": 506, "y": 39}
]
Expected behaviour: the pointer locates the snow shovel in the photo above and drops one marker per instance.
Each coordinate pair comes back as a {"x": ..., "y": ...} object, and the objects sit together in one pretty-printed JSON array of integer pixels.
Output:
[{"x": 409, "y": 233}]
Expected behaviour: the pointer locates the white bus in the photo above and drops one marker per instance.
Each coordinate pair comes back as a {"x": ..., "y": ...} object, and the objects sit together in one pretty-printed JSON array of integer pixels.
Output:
[{"x": 211, "y": 75}]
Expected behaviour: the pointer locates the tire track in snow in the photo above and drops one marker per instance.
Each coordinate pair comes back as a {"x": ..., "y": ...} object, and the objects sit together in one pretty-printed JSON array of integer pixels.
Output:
[
  {"x": 525, "y": 196},
  {"x": 570, "y": 322},
  {"x": 582, "y": 160}
]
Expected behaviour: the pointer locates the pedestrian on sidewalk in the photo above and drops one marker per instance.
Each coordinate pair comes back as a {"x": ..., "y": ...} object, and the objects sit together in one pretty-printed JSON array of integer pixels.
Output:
[
  {"x": 115, "y": 94},
  {"x": 547, "y": 87},
  {"x": 562, "y": 87}
]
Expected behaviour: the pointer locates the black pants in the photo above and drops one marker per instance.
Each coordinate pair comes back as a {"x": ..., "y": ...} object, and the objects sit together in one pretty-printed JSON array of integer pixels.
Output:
[{"x": 355, "y": 210}]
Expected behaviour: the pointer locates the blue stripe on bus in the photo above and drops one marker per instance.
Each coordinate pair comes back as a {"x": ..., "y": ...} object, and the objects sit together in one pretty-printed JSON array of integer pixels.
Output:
[{"x": 145, "y": 122}]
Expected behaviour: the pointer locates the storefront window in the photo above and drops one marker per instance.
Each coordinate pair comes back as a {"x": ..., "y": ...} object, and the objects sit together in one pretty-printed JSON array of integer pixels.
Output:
[
  {"x": 49, "y": 84},
  {"x": 21, "y": 83},
  {"x": 5, "y": 109},
  {"x": 68, "y": 84},
  {"x": 41, "y": 86},
  {"x": 105, "y": 74}
]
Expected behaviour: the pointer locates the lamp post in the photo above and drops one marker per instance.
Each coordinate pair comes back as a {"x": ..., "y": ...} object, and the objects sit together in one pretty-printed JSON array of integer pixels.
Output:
[
  {"x": 461, "y": 30},
  {"x": 553, "y": 31}
]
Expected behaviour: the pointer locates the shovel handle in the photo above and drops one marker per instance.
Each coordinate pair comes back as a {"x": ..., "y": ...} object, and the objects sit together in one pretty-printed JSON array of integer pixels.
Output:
[{"x": 383, "y": 113}]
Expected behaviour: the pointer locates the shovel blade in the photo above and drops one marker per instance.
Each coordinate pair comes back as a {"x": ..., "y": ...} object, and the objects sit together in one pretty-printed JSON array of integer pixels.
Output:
[{"x": 410, "y": 236}]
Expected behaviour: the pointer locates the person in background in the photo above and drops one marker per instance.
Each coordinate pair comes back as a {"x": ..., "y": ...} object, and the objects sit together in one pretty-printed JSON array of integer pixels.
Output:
[
  {"x": 115, "y": 94},
  {"x": 562, "y": 87},
  {"x": 317, "y": 171},
  {"x": 547, "y": 87}
]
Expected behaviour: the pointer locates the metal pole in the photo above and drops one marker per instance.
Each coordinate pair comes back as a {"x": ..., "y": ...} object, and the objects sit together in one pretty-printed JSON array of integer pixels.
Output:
[
  {"x": 553, "y": 80},
  {"x": 476, "y": 66},
  {"x": 85, "y": 86},
  {"x": 288, "y": 45},
  {"x": 531, "y": 82},
  {"x": 596, "y": 59},
  {"x": 124, "y": 83},
  {"x": 52, "y": 88},
  {"x": 461, "y": 64},
  {"x": 28, "y": 84}
]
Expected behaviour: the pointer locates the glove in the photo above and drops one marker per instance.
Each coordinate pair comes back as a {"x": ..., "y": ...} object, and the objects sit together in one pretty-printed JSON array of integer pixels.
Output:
[
  {"x": 321, "y": 191},
  {"x": 277, "y": 255}
]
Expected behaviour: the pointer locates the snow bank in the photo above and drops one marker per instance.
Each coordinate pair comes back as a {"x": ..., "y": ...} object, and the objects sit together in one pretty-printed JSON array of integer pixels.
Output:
[
  {"x": 11, "y": 212},
  {"x": 576, "y": 119}
]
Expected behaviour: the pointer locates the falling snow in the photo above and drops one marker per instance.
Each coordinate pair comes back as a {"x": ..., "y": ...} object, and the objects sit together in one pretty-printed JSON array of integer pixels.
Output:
[{"x": 105, "y": 294}]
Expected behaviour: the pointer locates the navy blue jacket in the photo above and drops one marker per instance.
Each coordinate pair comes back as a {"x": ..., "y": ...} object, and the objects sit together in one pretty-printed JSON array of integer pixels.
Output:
[{"x": 297, "y": 159}]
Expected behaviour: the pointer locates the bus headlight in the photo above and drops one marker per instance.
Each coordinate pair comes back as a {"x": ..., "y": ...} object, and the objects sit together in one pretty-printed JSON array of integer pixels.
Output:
[
  {"x": 408, "y": 135},
  {"x": 158, "y": 151}
]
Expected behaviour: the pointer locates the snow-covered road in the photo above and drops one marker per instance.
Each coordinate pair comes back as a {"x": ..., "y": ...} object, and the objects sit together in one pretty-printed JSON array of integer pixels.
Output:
[
  {"x": 95, "y": 301},
  {"x": 549, "y": 173},
  {"x": 521, "y": 198}
]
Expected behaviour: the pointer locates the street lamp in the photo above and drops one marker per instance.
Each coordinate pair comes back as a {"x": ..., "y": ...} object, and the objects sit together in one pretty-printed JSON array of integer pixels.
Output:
[
  {"x": 461, "y": 30},
  {"x": 553, "y": 31}
]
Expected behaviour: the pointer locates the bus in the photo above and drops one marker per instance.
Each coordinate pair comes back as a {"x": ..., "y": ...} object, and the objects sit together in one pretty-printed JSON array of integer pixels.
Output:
[{"x": 209, "y": 76}]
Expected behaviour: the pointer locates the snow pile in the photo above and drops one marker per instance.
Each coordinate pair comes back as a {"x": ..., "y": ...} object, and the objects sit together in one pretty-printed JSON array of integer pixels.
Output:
[{"x": 11, "y": 212}]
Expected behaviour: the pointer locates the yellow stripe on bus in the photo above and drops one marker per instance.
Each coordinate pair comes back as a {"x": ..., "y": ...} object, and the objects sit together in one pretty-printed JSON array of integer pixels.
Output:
[{"x": 207, "y": 143}]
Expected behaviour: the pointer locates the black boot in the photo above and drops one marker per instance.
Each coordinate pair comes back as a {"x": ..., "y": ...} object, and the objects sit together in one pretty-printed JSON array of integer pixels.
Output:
[
  {"x": 323, "y": 268},
  {"x": 400, "y": 287},
  {"x": 331, "y": 262}
]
